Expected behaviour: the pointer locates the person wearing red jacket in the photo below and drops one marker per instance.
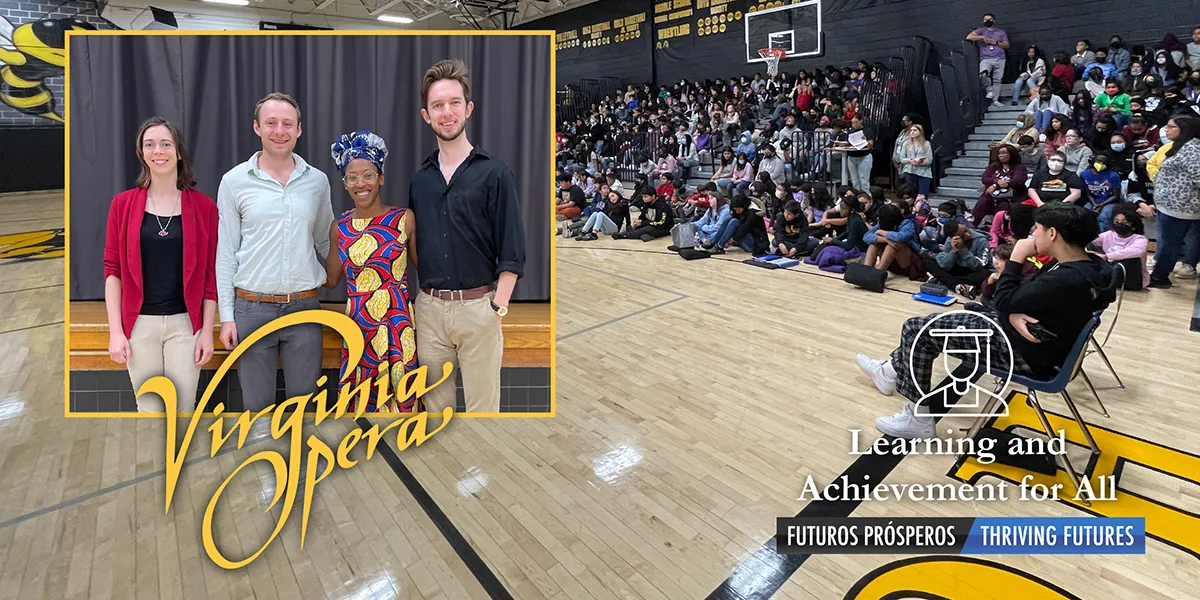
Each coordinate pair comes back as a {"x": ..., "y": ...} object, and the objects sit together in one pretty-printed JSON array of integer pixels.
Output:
[{"x": 160, "y": 282}]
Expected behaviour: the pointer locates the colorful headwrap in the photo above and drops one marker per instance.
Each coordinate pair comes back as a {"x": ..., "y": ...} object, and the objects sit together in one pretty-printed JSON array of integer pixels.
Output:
[{"x": 360, "y": 144}]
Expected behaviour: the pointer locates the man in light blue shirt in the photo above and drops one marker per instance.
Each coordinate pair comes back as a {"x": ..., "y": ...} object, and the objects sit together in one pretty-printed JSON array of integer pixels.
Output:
[{"x": 275, "y": 211}]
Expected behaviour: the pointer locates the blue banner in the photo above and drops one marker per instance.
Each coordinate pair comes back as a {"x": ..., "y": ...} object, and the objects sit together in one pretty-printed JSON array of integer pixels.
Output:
[
  {"x": 994, "y": 535},
  {"x": 1078, "y": 535}
]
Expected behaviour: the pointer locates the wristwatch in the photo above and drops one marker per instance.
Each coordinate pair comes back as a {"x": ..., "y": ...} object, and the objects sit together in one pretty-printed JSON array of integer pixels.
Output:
[{"x": 500, "y": 310}]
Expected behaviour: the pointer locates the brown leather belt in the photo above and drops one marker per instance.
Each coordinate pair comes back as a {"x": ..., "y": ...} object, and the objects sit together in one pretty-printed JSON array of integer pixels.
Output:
[
  {"x": 275, "y": 298},
  {"x": 471, "y": 294}
]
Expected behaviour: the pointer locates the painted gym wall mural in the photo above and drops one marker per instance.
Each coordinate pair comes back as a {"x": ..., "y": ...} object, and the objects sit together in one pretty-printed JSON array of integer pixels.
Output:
[{"x": 31, "y": 53}]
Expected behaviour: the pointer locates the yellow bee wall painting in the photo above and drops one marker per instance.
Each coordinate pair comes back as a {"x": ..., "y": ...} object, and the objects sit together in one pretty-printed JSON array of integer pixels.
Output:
[{"x": 31, "y": 53}]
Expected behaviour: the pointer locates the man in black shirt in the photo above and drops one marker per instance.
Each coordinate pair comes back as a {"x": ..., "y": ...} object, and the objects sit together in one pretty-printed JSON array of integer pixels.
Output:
[
  {"x": 1060, "y": 299},
  {"x": 471, "y": 246}
]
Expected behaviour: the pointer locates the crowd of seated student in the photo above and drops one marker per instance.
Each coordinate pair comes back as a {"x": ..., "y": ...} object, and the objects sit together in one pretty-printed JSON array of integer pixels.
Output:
[
  {"x": 1102, "y": 172},
  {"x": 1060, "y": 296}
]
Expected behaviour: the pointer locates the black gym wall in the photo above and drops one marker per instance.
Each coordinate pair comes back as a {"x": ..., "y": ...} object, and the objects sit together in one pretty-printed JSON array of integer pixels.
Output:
[{"x": 853, "y": 30}]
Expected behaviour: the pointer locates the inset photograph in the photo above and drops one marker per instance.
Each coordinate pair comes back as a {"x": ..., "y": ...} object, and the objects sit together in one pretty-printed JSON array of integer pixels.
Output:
[{"x": 218, "y": 183}]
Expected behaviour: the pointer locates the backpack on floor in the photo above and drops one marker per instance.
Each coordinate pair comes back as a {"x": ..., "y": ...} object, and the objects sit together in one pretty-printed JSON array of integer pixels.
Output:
[
  {"x": 683, "y": 235},
  {"x": 867, "y": 278}
]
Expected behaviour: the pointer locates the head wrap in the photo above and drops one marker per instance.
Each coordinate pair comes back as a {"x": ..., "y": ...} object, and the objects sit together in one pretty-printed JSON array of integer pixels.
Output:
[{"x": 360, "y": 144}]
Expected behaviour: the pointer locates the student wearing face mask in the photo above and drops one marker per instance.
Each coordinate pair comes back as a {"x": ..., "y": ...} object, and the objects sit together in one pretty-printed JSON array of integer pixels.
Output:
[
  {"x": 1113, "y": 102},
  {"x": 1125, "y": 244},
  {"x": 1118, "y": 55},
  {"x": 1055, "y": 183},
  {"x": 1104, "y": 189},
  {"x": 1164, "y": 68},
  {"x": 992, "y": 41},
  {"x": 1133, "y": 82},
  {"x": 771, "y": 165},
  {"x": 742, "y": 176},
  {"x": 1101, "y": 62},
  {"x": 1122, "y": 156}
]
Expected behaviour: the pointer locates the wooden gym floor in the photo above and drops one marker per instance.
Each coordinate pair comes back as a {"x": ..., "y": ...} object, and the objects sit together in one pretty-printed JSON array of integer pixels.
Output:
[{"x": 693, "y": 400}]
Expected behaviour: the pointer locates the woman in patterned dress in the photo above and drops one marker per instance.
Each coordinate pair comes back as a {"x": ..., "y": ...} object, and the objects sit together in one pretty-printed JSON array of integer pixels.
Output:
[{"x": 374, "y": 244}]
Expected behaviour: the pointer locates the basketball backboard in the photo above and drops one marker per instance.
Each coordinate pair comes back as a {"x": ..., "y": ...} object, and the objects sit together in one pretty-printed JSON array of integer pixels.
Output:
[{"x": 796, "y": 28}]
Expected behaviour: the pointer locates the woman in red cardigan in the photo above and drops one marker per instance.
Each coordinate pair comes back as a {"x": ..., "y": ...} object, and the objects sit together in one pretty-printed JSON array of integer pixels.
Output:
[{"x": 160, "y": 283}]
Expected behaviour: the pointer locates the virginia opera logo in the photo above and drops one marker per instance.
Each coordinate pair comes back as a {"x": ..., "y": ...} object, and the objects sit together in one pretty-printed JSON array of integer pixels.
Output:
[{"x": 970, "y": 337}]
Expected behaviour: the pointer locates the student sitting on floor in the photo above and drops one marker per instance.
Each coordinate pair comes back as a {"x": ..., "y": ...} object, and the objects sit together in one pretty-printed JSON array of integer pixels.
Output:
[
  {"x": 709, "y": 225},
  {"x": 697, "y": 204},
  {"x": 655, "y": 220},
  {"x": 932, "y": 237},
  {"x": 965, "y": 260},
  {"x": 571, "y": 199},
  {"x": 746, "y": 228},
  {"x": 598, "y": 204},
  {"x": 893, "y": 241},
  {"x": 1125, "y": 244},
  {"x": 833, "y": 253},
  {"x": 603, "y": 219},
  {"x": 1061, "y": 298},
  {"x": 1000, "y": 256},
  {"x": 791, "y": 232}
]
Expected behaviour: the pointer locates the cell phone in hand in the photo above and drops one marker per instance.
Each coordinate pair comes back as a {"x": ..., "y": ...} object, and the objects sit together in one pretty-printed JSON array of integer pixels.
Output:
[{"x": 1040, "y": 332}]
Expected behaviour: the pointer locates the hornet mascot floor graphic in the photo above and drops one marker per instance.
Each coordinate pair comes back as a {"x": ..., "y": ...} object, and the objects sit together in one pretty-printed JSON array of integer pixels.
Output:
[{"x": 29, "y": 55}]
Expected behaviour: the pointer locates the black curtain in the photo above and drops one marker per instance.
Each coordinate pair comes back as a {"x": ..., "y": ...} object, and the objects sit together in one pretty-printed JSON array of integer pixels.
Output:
[{"x": 208, "y": 86}]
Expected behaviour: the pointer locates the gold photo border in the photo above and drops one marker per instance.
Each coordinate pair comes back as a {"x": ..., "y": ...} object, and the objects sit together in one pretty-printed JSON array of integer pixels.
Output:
[{"x": 68, "y": 413}]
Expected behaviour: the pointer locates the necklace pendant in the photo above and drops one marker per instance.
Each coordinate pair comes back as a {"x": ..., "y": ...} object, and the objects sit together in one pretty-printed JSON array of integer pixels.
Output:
[{"x": 162, "y": 234}]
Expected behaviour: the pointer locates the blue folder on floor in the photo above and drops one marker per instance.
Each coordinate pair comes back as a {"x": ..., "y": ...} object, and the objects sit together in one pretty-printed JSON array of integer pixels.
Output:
[{"x": 938, "y": 300}]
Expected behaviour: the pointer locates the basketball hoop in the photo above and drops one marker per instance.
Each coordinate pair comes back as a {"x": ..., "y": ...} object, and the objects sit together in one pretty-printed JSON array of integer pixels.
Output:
[{"x": 772, "y": 56}]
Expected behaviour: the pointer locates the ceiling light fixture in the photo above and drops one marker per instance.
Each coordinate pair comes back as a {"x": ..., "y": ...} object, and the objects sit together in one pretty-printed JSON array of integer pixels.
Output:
[
  {"x": 395, "y": 19},
  {"x": 232, "y": 2}
]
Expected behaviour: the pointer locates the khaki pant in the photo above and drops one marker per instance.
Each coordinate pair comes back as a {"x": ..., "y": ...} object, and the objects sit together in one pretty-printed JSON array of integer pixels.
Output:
[
  {"x": 164, "y": 345},
  {"x": 466, "y": 333}
]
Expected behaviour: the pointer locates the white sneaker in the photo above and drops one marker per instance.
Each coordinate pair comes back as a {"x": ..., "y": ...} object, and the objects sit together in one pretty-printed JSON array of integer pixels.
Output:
[
  {"x": 997, "y": 105},
  {"x": 906, "y": 425},
  {"x": 1185, "y": 271},
  {"x": 1150, "y": 262},
  {"x": 881, "y": 373}
]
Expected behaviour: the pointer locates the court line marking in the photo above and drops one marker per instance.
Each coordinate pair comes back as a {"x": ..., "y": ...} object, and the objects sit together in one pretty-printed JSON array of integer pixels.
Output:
[
  {"x": 475, "y": 563},
  {"x": 124, "y": 484},
  {"x": 30, "y": 289},
  {"x": 620, "y": 318},
  {"x": 635, "y": 313},
  {"x": 31, "y": 327}
]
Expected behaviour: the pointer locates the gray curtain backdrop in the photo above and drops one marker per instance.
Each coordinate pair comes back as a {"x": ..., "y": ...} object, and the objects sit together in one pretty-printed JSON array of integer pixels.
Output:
[{"x": 208, "y": 86}]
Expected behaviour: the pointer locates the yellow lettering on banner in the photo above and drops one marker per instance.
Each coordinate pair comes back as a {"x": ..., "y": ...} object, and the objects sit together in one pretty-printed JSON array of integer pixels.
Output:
[
  {"x": 659, "y": 19},
  {"x": 287, "y": 420},
  {"x": 957, "y": 577},
  {"x": 1166, "y": 523},
  {"x": 662, "y": 7}
]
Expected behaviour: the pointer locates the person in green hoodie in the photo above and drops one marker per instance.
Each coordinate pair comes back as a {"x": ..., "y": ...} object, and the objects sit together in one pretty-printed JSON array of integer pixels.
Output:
[
  {"x": 1061, "y": 298},
  {"x": 1113, "y": 102}
]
